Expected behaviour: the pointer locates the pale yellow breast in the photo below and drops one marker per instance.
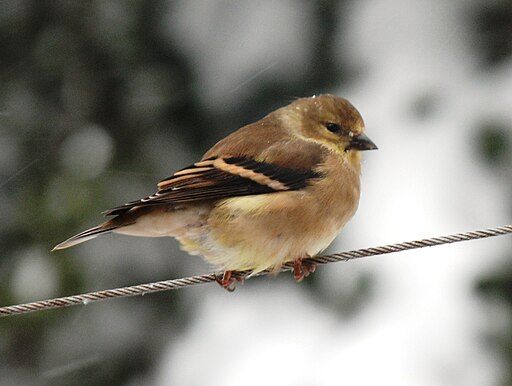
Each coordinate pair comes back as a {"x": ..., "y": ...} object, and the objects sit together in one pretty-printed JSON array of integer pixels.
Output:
[{"x": 264, "y": 231}]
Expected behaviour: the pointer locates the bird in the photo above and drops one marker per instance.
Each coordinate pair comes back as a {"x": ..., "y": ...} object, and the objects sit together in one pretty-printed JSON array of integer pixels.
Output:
[{"x": 275, "y": 191}]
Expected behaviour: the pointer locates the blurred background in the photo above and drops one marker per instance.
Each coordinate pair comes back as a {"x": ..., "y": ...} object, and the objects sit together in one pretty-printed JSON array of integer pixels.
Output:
[{"x": 99, "y": 100}]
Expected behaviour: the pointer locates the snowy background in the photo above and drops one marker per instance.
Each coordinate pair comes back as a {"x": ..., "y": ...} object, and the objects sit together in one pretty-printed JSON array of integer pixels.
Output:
[{"x": 99, "y": 100}]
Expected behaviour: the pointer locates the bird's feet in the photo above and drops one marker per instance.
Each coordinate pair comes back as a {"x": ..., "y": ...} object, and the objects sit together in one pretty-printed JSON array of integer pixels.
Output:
[
  {"x": 302, "y": 268},
  {"x": 228, "y": 279}
]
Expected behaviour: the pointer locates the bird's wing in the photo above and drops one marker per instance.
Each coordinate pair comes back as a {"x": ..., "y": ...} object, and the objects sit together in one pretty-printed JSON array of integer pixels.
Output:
[{"x": 224, "y": 177}]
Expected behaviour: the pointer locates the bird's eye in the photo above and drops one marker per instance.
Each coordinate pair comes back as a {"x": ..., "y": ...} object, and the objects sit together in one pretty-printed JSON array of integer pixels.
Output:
[{"x": 333, "y": 127}]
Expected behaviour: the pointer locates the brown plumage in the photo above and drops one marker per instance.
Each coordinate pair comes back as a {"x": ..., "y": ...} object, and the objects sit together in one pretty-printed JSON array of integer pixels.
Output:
[{"x": 276, "y": 190}]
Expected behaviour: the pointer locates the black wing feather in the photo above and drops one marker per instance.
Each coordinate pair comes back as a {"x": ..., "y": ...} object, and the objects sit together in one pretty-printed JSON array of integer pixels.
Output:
[
  {"x": 191, "y": 185},
  {"x": 293, "y": 179}
]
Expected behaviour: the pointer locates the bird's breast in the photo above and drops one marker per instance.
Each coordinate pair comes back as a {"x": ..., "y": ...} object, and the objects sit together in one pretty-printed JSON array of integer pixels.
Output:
[{"x": 261, "y": 231}]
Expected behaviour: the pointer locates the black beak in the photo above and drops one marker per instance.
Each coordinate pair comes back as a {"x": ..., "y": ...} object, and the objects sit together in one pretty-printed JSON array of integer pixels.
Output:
[{"x": 361, "y": 142}]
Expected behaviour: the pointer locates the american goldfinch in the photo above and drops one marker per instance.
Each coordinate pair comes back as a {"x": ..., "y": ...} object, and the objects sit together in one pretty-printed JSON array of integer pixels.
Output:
[{"x": 277, "y": 190}]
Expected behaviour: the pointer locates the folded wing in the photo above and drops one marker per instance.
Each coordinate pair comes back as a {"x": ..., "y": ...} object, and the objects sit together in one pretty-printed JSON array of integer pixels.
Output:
[{"x": 223, "y": 177}]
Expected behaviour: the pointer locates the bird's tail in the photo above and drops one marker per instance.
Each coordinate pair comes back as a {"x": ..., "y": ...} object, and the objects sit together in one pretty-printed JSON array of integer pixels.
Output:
[{"x": 86, "y": 235}]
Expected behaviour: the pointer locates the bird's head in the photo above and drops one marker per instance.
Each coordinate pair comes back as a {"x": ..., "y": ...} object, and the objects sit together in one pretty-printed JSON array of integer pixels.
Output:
[{"x": 330, "y": 121}]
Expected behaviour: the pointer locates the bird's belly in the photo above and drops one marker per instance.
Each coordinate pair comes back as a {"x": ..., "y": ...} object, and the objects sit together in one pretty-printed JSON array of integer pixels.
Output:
[{"x": 265, "y": 231}]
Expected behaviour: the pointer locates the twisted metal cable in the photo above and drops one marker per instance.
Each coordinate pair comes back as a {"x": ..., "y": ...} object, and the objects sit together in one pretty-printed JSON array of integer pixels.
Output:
[{"x": 166, "y": 285}]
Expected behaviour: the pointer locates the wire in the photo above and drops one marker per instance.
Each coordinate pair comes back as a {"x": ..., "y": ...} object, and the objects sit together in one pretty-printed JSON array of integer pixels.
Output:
[{"x": 166, "y": 285}]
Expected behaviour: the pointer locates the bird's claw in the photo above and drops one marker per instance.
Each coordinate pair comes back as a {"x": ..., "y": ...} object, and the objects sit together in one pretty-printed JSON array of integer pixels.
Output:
[
  {"x": 302, "y": 268},
  {"x": 228, "y": 279}
]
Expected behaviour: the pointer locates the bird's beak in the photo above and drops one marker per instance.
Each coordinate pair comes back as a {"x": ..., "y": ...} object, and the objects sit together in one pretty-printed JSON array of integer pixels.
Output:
[{"x": 362, "y": 142}]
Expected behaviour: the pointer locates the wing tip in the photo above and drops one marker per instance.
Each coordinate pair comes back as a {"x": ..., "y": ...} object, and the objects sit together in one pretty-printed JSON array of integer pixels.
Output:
[{"x": 82, "y": 237}]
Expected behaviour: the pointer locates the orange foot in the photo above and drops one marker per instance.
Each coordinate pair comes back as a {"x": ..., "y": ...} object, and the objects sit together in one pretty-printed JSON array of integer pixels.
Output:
[
  {"x": 229, "y": 279},
  {"x": 302, "y": 269}
]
